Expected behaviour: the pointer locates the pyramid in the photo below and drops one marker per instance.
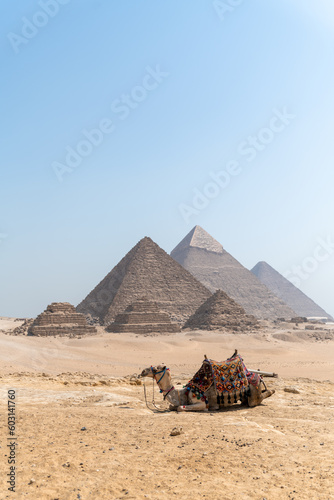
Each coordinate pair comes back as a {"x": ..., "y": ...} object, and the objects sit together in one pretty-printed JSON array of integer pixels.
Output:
[
  {"x": 149, "y": 271},
  {"x": 60, "y": 318},
  {"x": 221, "y": 312},
  {"x": 207, "y": 260},
  {"x": 285, "y": 290},
  {"x": 143, "y": 316}
]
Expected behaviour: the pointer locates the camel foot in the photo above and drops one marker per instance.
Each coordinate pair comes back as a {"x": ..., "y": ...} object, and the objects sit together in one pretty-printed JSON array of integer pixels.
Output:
[
  {"x": 172, "y": 408},
  {"x": 267, "y": 394},
  {"x": 181, "y": 408}
]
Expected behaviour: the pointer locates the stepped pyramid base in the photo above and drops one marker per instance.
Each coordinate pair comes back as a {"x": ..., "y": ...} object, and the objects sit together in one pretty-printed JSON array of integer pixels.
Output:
[
  {"x": 143, "y": 317},
  {"x": 62, "y": 331},
  {"x": 144, "y": 328}
]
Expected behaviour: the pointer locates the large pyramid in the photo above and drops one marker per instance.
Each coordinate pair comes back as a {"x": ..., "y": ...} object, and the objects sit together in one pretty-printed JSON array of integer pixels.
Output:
[
  {"x": 148, "y": 271},
  {"x": 207, "y": 260},
  {"x": 221, "y": 312},
  {"x": 284, "y": 289}
]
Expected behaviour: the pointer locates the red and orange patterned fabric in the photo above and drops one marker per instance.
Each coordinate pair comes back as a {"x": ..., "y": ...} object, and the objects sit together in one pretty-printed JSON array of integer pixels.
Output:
[{"x": 230, "y": 375}]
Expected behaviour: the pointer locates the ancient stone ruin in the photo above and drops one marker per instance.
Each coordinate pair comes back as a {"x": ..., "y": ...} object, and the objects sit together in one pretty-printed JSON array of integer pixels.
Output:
[
  {"x": 209, "y": 262},
  {"x": 60, "y": 318},
  {"x": 221, "y": 312},
  {"x": 143, "y": 316},
  {"x": 148, "y": 271}
]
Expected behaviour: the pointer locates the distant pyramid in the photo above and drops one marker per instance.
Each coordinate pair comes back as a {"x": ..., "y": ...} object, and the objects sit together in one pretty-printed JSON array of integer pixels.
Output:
[
  {"x": 207, "y": 260},
  {"x": 221, "y": 312},
  {"x": 285, "y": 290},
  {"x": 149, "y": 271},
  {"x": 60, "y": 318},
  {"x": 143, "y": 316}
]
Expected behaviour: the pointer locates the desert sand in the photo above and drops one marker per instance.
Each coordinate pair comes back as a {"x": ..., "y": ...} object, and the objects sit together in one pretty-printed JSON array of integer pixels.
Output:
[{"x": 84, "y": 431}]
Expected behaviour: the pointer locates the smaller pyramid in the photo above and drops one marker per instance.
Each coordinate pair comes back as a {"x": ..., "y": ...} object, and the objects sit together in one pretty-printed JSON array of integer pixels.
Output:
[
  {"x": 143, "y": 316},
  {"x": 60, "y": 318},
  {"x": 285, "y": 290},
  {"x": 221, "y": 312}
]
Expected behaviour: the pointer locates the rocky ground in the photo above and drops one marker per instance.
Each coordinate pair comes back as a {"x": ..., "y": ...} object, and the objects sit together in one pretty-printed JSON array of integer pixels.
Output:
[{"x": 89, "y": 435}]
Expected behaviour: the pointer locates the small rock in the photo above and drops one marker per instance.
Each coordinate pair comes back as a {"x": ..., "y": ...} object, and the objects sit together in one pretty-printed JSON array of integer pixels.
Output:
[
  {"x": 293, "y": 390},
  {"x": 32, "y": 481},
  {"x": 176, "y": 431},
  {"x": 83, "y": 428}
]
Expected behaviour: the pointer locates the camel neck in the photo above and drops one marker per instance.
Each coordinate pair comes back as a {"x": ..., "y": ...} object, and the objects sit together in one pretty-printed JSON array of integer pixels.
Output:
[{"x": 167, "y": 388}]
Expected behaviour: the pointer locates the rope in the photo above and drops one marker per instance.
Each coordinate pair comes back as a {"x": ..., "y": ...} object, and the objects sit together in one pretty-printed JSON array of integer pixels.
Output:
[
  {"x": 263, "y": 382},
  {"x": 156, "y": 408}
]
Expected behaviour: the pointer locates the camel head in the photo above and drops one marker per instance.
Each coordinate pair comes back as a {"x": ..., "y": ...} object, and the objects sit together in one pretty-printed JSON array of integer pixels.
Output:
[{"x": 152, "y": 371}]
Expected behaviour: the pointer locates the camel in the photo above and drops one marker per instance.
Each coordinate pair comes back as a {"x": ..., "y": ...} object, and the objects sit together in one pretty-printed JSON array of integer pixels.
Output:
[{"x": 187, "y": 399}]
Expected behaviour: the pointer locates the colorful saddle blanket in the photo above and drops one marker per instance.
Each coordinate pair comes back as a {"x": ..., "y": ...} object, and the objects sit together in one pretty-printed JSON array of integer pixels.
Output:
[{"x": 228, "y": 377}]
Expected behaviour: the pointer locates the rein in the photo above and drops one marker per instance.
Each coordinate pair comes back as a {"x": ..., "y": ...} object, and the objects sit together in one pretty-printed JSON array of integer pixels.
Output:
[
  {"x": 157, "y": 381},
  {"x": 263, "y": 382}
]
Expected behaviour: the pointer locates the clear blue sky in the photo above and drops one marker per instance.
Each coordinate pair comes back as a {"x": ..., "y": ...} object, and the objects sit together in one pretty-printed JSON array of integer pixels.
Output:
[{"x": 181, "y": 90}]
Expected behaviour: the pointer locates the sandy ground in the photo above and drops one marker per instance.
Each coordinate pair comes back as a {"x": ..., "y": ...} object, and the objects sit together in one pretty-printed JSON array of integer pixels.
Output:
[{"x": 84, "y": 432}]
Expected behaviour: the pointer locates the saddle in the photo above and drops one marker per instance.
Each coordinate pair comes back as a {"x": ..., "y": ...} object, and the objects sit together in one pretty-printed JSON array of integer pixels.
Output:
[{"x": 230, "y": 380}]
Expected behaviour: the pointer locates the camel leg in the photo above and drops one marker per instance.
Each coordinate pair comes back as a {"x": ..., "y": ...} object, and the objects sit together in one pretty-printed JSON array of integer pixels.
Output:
[
  {"x": 267, "y": 394},
  {"x": 173, "y": 408},
  {"x": 201, "y": 406},
  {"x": 257, "y": 396}
]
